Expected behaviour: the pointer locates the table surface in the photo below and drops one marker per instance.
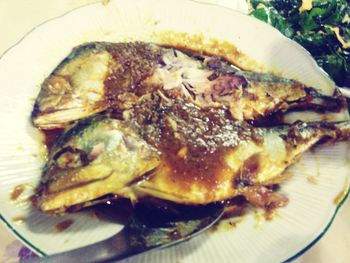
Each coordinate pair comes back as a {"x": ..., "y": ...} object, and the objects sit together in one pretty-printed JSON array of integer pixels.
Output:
[{"x": 17, "y": 17}]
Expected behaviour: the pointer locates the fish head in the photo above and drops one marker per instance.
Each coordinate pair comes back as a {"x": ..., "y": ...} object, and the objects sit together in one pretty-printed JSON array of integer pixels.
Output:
[
  {"x": 75, "y": 89},
  {"x": 97, "y": 157}
]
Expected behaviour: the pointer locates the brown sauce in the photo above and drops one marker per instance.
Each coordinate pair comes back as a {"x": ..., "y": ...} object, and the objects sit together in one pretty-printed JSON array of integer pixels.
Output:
[
  {"x": 17, "y": 191},
  {"x": 202, "y": 170},
  {"x": 193, "y": 142},
  {"x": 62, "y": 226},
  {"x": 138, "y": 63}
]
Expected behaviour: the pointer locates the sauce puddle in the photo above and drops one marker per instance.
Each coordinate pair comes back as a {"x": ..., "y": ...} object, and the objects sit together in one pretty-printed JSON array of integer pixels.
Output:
[
  {"x": 60, "y": 227},
  {"x": 17, "y": 192}
]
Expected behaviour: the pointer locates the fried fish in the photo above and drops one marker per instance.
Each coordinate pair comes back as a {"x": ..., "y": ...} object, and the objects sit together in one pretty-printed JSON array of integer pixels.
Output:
[
  {"x": 102, "y": 76},
  {"x": 180, "y": 153},
  {"x": 145, "y": 120}
]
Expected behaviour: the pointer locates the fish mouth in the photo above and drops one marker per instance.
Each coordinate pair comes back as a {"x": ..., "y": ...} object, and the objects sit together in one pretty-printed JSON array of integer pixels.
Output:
[
  {"x": 61, "y": 118},
  {"x": 45, "y": 199}
]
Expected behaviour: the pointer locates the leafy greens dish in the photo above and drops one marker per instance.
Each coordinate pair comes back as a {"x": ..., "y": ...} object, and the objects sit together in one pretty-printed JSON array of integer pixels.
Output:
[{"x": 322, "y": 27}]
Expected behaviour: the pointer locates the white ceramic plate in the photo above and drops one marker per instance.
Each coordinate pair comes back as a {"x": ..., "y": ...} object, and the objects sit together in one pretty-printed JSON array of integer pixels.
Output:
[{"x": 23, "y": 68}]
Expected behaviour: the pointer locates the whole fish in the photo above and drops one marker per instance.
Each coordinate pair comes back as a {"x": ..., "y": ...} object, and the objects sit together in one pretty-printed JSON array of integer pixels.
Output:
[
  {"x": 102, "y": 76},
  {"x": 175, "y": 151}
]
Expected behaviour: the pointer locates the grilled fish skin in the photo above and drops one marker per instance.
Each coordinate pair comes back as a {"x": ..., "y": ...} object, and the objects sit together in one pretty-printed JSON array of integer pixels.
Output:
[
  {"x": 99, "y": 76},
  {"x": 96, "y": 157}
]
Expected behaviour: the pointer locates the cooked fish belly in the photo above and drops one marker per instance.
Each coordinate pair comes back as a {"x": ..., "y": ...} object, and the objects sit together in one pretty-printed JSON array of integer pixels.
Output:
[
  {"x": 95, "y": 158},
  {"x": 100, "y": 76}
]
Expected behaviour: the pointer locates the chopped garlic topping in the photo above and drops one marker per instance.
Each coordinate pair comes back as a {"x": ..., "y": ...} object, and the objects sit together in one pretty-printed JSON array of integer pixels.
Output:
[
  {"x": 346, "y": 18},
  {"x": 305, "y": 6},
  {"x": 343, "y": 42}
]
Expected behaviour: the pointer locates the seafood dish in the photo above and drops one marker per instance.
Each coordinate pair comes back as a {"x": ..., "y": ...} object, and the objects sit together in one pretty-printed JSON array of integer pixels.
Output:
[{"x": 143, "y": 120}]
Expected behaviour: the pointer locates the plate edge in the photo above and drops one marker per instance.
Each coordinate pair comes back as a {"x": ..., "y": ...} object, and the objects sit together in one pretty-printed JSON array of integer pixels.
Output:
[{"x": 14, "y": 232}]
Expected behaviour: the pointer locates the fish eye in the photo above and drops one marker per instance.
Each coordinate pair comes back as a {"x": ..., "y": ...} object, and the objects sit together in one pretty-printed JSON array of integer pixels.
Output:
[{"x": 70, "y": 157}]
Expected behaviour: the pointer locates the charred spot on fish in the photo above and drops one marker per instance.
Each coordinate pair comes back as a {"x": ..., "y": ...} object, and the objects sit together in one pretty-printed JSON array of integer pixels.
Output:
[
  {"x": 240, "y": 183},
  {"x": 93, "y": 47}
]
